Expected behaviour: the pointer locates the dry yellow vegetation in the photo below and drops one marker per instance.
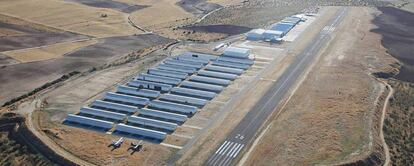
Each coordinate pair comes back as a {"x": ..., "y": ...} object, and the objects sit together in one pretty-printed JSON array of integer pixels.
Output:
[
  {"x": 17, "y": 21},
  {"x": 159, "y": 13},
  {"x": 48, "y": 52},
  {"x": 70, "y": 16}
]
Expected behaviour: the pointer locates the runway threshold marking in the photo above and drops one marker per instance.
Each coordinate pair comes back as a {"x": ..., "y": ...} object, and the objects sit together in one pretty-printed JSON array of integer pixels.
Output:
[{"x": 225, "y": 153}]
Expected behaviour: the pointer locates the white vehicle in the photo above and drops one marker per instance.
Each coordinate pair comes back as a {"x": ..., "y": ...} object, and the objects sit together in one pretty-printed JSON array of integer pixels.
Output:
[{"x": 219, "y": 46}]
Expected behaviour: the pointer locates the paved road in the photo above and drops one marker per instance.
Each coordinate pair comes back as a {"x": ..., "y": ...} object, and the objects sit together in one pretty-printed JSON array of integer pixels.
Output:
[{"x": 244, "y": 132}]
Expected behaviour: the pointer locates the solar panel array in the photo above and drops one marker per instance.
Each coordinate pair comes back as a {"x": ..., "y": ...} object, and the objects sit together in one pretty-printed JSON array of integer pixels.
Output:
[{"x": 153, "y": 104}]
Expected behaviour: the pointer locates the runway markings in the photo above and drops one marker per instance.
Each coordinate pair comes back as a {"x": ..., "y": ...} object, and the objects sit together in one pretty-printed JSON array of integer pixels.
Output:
[
  {"x": 328, "y": 29},
  {"x": 264, "y": 79},
  {"x": 221, "y": 102},
  {"x": 260, "y": 62},
  {"x": 258, "y": 67},
  {"x": 263, "y": 59},
  {"x": 182, "y": 136},
  {"x": 225, "y": 153},
  {"x": 171, "y": 146},
  {"x": 193, "y": 127}
]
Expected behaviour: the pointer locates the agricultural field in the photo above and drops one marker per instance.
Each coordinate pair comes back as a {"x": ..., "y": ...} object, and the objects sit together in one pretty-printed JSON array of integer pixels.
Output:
[
  {"x": 54, "y": 51},
  {"x": 24, "y": 77},
  {"x": 16, "y": 33},
  {"x": 77, "y": 18},
  {"x": 160, "y": 14}
]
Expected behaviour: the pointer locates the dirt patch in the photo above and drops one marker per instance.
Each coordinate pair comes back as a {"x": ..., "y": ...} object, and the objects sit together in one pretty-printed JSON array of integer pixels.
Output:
[
  {"x": 119, "y": 6},
  {"x": 223, "y": 29},
  {"x": 21, "y": 78},
  {"x": 197, "y": 7},
  {"x": 396, "y": 27},
  {"x": 30, "y": 34}
]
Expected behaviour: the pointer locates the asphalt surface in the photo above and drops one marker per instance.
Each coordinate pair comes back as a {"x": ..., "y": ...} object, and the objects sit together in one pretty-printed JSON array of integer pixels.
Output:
[{"x": 244, "y": 133}]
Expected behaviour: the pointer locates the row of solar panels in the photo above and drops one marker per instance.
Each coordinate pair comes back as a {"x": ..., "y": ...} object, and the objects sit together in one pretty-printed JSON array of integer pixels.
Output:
[{"x": 158, "y": 110}]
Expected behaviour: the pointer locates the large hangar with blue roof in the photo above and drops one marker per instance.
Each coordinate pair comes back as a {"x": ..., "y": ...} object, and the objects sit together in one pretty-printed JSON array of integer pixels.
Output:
[{"x": 276, "y": 31}]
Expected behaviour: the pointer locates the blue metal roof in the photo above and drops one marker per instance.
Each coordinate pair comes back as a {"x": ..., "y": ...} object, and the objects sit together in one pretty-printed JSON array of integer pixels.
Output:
[{"x": 284, "y": 27}]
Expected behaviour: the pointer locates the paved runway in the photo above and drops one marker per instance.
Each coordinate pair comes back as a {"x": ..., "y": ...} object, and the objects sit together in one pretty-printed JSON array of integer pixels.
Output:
[{"x": 243, "y": 134}]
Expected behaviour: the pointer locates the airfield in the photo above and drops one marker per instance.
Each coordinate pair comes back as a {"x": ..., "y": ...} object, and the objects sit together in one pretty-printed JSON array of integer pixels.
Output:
[{"x": 168, "y": 82}]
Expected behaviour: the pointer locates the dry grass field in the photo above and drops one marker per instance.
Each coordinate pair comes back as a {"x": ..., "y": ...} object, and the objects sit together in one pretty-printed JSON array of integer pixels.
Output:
[
  {"x": 70, "y": 16},
  {"x": 49, "y": 52},
  {"x": 160, "y": 14}
]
